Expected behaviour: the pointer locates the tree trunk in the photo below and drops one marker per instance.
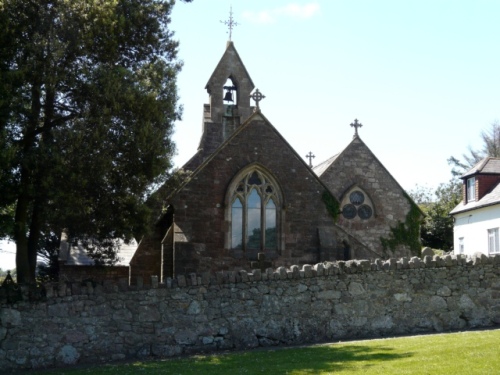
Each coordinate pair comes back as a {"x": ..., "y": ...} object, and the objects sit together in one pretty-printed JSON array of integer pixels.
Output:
[
  {"x": 24, "y": 258},
  {"x": 34, "y": 236},
  {"x": 21, "y": 218}
]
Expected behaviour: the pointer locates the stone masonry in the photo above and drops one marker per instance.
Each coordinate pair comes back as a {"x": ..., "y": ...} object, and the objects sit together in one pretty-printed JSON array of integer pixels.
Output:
[
  {"x": 242, "y": 310},
  {"x": 358, "y": 167}
]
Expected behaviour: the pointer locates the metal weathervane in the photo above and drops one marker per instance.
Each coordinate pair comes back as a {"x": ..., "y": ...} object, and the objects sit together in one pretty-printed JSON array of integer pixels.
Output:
[{"x": 231, "y": 23}]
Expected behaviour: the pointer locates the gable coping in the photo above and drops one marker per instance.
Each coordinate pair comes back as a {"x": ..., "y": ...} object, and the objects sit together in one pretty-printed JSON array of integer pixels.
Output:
[{"x": 256, "y": 116}]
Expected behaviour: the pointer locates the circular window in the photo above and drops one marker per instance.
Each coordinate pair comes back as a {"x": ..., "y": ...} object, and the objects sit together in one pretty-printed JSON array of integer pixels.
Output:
[
  {"x": 357, "y": 197},
  {"x": 349, "y": 211},
  {"x": 365, "y": 212}
]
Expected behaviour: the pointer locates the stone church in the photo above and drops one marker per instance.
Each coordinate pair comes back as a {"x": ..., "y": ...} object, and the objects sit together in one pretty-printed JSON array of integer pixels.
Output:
[{"x": 250, "y": 201}]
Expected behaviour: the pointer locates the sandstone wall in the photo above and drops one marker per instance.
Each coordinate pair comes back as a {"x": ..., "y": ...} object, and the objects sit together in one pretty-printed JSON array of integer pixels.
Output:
[
  {"x": 229, "y": 310},
  {"x": 358, "y": 166}
]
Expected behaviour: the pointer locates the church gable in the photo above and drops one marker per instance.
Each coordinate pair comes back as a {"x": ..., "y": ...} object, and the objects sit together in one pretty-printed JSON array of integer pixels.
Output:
[
  {"x": 371, "y": 200},
  {"x": 253, "y": 195}
]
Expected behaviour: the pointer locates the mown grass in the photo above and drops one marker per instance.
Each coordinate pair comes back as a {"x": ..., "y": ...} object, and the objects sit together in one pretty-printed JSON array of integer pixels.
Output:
[{"x": 455, "y": 353}]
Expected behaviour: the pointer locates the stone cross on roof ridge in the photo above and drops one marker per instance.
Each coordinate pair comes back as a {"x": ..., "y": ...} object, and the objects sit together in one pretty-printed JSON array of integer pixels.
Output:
[
  {"x": 356, "y": 125},
  {"x": 310, "y": 156},
  {"x": 231, "y": 23},
  {"x": 257, "y": 97}
]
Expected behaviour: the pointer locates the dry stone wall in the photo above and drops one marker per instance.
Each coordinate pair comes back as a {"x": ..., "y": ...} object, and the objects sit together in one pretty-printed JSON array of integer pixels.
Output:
[{"x": 240, "y": 310}]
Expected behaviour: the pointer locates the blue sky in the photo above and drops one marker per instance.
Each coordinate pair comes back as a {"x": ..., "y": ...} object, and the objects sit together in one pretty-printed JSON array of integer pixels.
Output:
[{"x": 421, "y": 76}]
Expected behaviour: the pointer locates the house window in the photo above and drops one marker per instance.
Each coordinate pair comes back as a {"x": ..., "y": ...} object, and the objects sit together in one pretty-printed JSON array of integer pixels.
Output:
[
  {"x": 254, "y": 214},
  {"x": 461, "y": 245},
  {"x": 493, "y": 247},
  {"x": 471, "y": 189}
]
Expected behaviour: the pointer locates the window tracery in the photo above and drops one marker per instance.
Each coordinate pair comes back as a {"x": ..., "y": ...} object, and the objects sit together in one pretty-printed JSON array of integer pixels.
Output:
[
  {"x": 254, "y": 214},
  {"x": 356, "y": 204}
]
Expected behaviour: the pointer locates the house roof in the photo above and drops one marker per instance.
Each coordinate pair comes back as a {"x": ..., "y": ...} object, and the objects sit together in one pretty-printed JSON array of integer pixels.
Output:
[
  {"x": 488, "y": 165},
  {"x": 75, "y": 255},
  {"x": 490, "y": 199}
]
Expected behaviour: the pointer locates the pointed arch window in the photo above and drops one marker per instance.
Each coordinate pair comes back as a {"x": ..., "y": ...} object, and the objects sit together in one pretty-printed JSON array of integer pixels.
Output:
[{"x": 254, "y": 213}]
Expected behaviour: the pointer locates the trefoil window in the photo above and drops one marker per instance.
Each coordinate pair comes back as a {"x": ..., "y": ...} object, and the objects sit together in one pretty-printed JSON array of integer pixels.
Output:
[{"x": 357, "y": 204}]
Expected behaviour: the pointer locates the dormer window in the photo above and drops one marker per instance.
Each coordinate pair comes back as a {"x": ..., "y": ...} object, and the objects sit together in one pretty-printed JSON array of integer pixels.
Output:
[{"x": 471, "y": 189}]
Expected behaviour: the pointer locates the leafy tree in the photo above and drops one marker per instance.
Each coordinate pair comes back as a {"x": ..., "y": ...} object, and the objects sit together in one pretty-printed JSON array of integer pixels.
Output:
[
  {"x": 87, "y": 104},
  {"x": 491, "y": 147},
  {"x": 436, "y": 230}
]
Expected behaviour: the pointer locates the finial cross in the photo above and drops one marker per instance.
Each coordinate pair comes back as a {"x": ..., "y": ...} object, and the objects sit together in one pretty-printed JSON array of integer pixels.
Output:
[
  {"x": 257, "y": 96},
  {"x": 356, "y": 125},
  {"x": 310, "y": 156},
  {"x": 231, "y": 23}
]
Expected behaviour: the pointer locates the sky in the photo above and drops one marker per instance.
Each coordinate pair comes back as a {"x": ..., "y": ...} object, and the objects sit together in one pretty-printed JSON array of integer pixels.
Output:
[{"x": 421, "y": 76}]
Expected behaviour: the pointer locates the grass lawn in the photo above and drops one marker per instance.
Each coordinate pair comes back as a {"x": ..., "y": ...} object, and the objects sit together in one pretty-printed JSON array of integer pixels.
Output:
[{"x": 474, "y": 352}]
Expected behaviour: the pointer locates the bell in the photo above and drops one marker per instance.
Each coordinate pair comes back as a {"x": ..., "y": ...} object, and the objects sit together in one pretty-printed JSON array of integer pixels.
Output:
[{"x": 228, "y": 97}]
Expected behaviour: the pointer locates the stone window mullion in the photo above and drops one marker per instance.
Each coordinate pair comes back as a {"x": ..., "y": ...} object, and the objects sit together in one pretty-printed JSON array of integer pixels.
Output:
[{"x": 254, "y": 225}]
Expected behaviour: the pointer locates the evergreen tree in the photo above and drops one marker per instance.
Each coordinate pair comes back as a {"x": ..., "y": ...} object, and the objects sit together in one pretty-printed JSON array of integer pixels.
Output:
[{"x": 87, "y": 104}]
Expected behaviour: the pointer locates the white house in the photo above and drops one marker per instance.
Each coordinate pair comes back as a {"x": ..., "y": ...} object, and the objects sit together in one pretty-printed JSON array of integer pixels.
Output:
[{"x": 477, "y": 217}]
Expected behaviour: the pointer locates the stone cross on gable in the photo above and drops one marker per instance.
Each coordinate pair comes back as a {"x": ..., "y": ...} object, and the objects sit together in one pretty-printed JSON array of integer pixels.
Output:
[
  {"x": 257, "y": 96},
  {"x": 310, "y": 156},
  {"x": 261, "y": 264},
  {"x": 231, "y": 23},
  {"x": 356, "y": 125}
]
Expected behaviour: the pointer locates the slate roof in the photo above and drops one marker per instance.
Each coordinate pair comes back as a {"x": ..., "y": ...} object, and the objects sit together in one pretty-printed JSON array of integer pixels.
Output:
[
  {"x": 489, "y": 165},
  {"x": 322, "y": 167},
  {"x": 489, "y": 199},
  {"x": 77, "y": 256}
]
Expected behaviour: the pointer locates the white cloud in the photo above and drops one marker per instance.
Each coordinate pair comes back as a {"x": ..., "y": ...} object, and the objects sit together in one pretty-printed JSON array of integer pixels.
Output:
[{"x": 292, "y": 10}]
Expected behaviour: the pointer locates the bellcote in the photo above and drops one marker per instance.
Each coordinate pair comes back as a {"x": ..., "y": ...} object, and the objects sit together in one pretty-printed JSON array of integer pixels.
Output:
[
  {"x": 221, "y": 118},
  {"x": 232, "y": 74}
]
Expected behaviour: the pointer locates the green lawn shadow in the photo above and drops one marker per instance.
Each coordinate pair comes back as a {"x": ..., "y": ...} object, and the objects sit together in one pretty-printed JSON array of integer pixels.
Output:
[{"x": 310, "y": 360}]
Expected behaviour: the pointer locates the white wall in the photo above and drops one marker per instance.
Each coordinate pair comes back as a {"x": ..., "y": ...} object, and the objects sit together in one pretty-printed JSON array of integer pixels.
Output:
[
  {"x": 7, "y": 255},
  {"x": 473, "y": 227}
]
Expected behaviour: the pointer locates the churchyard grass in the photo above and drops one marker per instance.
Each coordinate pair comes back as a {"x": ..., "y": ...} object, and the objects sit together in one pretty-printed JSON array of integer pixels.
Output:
[{"x": 469, "y": 353}]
